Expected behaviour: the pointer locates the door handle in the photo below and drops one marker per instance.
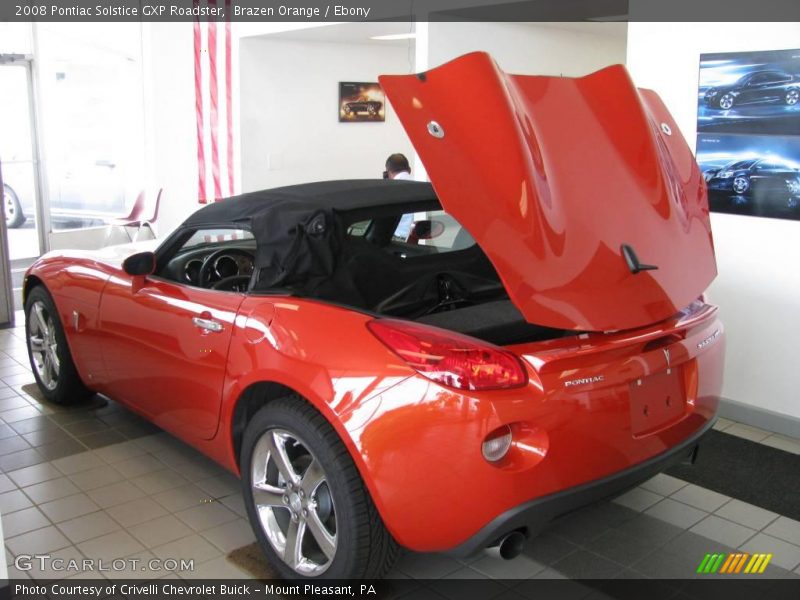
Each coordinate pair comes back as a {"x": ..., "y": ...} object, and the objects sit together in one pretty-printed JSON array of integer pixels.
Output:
[{"x": 209, "y": 325}]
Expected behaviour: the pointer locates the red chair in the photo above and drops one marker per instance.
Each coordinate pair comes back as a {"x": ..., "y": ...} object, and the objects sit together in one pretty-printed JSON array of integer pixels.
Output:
[{"x": 133, "y": 219}]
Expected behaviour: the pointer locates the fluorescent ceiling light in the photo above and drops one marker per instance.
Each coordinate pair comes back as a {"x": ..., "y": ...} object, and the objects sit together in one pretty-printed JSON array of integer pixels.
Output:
[{"x": 394, "y": 36}]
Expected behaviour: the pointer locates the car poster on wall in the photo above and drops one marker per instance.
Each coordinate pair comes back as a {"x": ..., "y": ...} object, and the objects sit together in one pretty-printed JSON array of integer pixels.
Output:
[
  {"x": 361, "y": 102},
  {"x": 748, "y": 132}
]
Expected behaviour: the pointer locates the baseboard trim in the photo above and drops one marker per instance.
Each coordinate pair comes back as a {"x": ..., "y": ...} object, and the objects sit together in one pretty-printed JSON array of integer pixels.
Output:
[{"x": 759, "y": 417}]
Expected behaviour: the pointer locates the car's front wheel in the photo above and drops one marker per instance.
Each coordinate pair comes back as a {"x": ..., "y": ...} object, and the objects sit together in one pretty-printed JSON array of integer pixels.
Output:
[
  {"x": 791, "y": 97},
  {"x": 13, "y": 208},
  {"x": 726, "y": 101},
  {"x": 740, "y": 185},
  {"x": 51, "y": 361},
  {"x": 306, "y": 501}
]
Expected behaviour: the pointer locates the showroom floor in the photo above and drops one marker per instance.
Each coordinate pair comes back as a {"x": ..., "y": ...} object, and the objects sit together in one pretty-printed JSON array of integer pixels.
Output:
[{"x": 99, "y": 482}]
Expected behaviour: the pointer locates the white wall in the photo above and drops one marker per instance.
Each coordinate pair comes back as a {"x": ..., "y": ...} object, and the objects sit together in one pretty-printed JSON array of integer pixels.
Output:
[
  {"x": 758, "y": 287},
  {"x": 570, "y": 49},
  {"x": 290, "y": 130}
]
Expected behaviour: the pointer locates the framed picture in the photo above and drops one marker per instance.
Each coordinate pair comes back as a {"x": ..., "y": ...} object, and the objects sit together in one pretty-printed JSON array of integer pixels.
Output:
[
  {"x": 361, "y": 102},
  {"x": 749, "y": 92},
  {"x": 754, "y": 175},
  {"x": 748, "y": 132}
]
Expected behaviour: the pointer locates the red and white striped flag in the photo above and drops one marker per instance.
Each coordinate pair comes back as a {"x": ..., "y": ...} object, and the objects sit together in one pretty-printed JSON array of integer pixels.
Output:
[{"x": 214, "y": 108}]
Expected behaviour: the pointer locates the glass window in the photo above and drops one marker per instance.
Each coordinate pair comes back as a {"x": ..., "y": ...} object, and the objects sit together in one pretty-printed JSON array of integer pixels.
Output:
[
  {"x": 92, "y": 107},
  {"x": 15, "y": 38},
  {"x": 216, "y": 236}
]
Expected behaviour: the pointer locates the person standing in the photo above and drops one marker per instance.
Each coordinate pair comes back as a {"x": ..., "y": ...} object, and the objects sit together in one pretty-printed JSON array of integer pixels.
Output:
[{"x": 397, "y": 167}]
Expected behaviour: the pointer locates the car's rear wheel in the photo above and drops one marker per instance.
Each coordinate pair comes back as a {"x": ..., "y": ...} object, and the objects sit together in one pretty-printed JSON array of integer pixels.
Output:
[
  {"x": 726, "y": 101},
  {"x": 13, "y": 208},
  {"x": 741, "y": 185},
  {"x": 309, "y": 509},
  {"x": 791, "y": 97},
  {"x": 48, "y": 352}
]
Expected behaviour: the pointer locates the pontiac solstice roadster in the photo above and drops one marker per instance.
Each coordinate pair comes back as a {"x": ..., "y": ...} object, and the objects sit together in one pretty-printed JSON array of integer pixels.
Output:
[{"x": 537, "y": 343}]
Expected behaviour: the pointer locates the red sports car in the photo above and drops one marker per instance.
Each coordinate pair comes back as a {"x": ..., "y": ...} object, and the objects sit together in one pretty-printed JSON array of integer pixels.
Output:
[{"x": 539, "y": 340}]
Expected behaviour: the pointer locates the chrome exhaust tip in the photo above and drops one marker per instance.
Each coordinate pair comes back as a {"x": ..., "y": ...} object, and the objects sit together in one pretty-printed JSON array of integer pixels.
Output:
[{"x": 507, "y": 547}]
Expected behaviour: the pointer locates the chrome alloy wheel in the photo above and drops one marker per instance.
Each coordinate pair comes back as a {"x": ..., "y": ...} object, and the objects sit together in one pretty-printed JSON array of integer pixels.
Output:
[
  {"x": 10, "y": 206},
  {"x": 43, "y": 345},
  {"x": 740, "y": 185},
  {"x": 293, "y": 502},
  {"x": 726, "y": 102},
  {"x": 792, "y": 96}
]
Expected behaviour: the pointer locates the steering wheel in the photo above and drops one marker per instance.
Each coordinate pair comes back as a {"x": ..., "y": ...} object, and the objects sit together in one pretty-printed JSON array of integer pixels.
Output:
[
  {"x": 209, "y": 271},
  {"x": 237, "y": 283}
]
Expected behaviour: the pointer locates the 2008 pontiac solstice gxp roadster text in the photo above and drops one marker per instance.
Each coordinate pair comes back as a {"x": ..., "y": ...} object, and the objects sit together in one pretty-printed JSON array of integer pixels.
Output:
[{"x": 537, "y": 341}]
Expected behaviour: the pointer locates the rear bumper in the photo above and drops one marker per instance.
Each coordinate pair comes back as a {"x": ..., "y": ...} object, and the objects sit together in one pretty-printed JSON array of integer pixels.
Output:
[{"x": 534, "y": 515}]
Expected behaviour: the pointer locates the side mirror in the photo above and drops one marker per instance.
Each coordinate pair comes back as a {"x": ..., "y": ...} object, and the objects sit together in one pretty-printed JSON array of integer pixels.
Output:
[
  {"x": 427, "y": 230},
  {"x": 141, "y": 263}
]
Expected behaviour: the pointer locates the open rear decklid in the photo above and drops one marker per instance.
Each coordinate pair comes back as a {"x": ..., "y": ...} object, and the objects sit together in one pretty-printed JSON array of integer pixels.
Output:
[{"x": 574, "y": 188}]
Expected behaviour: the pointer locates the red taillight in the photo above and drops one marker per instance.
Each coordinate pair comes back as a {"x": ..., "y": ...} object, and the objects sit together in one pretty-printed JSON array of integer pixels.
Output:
[{"x": 449, "y": 358}]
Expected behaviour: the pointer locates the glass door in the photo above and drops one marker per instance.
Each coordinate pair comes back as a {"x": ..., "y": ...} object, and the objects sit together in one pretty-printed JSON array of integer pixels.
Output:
[{"x": 21, "y": 206}]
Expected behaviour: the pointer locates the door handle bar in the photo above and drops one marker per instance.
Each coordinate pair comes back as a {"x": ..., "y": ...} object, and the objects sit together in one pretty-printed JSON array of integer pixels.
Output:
[{"x": 207, "y": 324}]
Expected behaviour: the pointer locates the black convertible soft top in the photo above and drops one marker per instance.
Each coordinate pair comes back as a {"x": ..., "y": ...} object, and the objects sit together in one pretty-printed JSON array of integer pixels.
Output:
[
  {"x": 340, "y": 195},
  {"x": 300, "y": 233}
]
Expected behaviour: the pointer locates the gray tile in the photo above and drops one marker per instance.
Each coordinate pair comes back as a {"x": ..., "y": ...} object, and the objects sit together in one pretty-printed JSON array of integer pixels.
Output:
[
  {"x": 520, "y": 567},
  {"x": 220, "y": 486},
  {"x": 206, "y": 516},
  {"x": 34, "y": 474},
  {"x": 722, "y": 424},
  {"x": 137, "y": 511},
  {"x": 579, "y": 527},
  {"x": 20, "y": 460},
  {"x": 676, "y": 513},
  {"x": 620, "y": 547},
  {"x": 658, "y": 532},
  {"x": 97, "y": 477},
  {"x": 178, "y": 498},
  {"x": 52, "y": 489},
  {"x": 77, "y": 463},
  {"x": 120, "y": 452},
  {"x": 116, "y": 493},
  {"x": 6, "y": 484},
  {"x": 694, "y": 546},
  {"x": 190, "y": 547},
  {"x": 159, "y": 531},
  {"x": 747, "y": 432},
  {"x": 638, "y": 499},
  {"x": 23, "y": 521},
  {"x": 13, "y": 444},
  {"x": 786, "y": 529},
  {"x": 112, "y": 545},
  {"x": 781, "y": 442},
  {"x": 664, "y": 484},
  {"x": 723, "y": 531},
  {"x": 13, "y": 500},
  {"x": 62, "y": 449},
  {"x": 46, "y": 436},
  {"x": 700, "y": 497},
  {"x": 785, "y": 555},
  {"x": 746, "y": 514},
  {"x": 68, "y": 508},
  {"x": 158, "y": 481},
  {"x": 35, "y": 423},
  {"x": 230, "y": 536},
  {"x": 217, "y": 568},
  {"x": 427, "y": 566},
  {"x": 665, "y": 565},
  {"x": 19, "y": 414},
  {"x": 101, "y": 439},
  {"x": 88, "y": 526},
  {"x": 138, "y": 465},
  {"x": 548, "y": 548},
  {"x": 85, "y": 426},
  {"x": 583, "y": 564},
  {"x": 40, "y": 541}
]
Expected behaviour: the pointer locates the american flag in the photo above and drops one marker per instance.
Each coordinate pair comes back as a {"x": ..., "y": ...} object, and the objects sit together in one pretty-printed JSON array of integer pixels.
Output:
[{"x": 214, "y": 108}]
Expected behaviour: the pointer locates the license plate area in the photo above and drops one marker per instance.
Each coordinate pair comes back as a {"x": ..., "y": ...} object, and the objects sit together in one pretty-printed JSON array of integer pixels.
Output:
[{"x": 657, "y": 401}]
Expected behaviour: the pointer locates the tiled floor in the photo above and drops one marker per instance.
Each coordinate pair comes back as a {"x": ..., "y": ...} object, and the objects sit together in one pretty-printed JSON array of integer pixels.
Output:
[{"x": 99, "y": 482}]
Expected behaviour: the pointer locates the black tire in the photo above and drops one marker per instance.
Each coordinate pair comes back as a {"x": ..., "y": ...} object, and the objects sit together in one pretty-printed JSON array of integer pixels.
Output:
[
  {"x": 12, "y": 208},
  {"x": 364, "y": 548},
  {"x": 68, "y": 388}
]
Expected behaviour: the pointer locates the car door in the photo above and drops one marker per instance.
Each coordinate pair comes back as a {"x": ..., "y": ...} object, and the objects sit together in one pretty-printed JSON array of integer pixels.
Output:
[{"x": 166, "y": 349}]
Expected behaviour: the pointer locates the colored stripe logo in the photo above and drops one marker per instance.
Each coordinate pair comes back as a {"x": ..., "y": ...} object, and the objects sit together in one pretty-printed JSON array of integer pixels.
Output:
[{"x": 739, "y": 562}]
